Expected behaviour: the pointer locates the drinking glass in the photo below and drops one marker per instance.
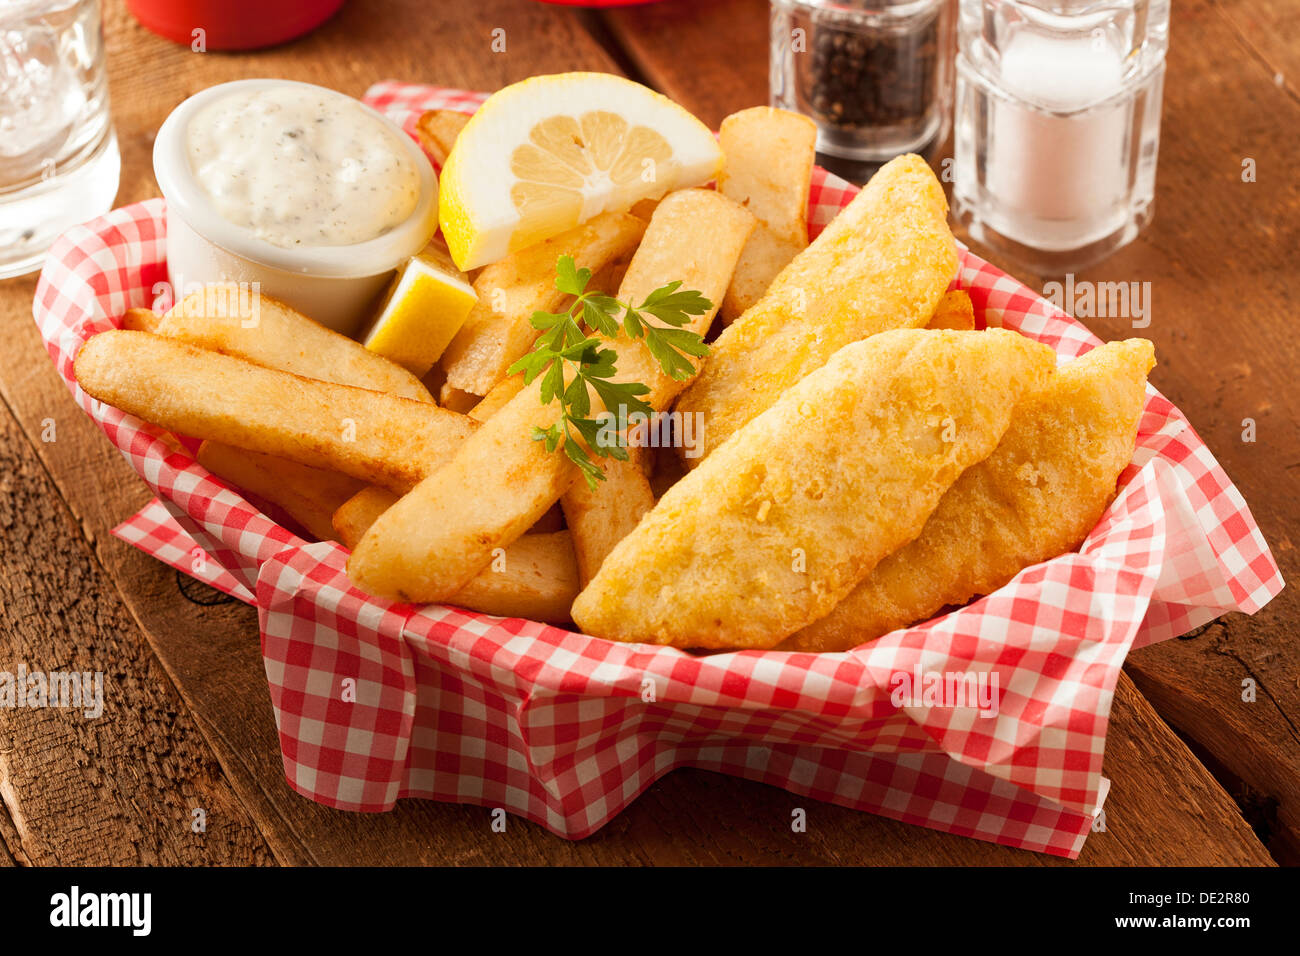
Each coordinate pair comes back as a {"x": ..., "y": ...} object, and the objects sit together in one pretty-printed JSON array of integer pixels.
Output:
[{"x": 59, "y": 161}]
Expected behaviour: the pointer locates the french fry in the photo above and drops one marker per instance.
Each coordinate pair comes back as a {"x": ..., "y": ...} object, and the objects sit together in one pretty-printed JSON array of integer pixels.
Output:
[
  {"x": 535, "y": 577},
  {"x": 456, "y": 399},
  {"x": 372, "y": 436},
  {"x": 882, "y": 263},
  {"x": 141, "y": 320},
  {"x": 309, "y": 495},
  {"x": 260, "y": 329},
  {"x": 500, "y": 482},
  {"x": 437, "y": 131},
  {"x": 955, "y": 311},
  {"x": 271, "y": 334},
  {"x": 496, "y": 399},
  {"x": 354, "y": 517},
  {"x": 600, "y": 518},
  {"x": 497, "y": 332},
  {"x": 768, "y": 169}
]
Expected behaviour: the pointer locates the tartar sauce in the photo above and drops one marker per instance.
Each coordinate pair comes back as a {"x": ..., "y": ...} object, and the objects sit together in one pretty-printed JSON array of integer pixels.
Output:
[{"x": 301, "y": 167}]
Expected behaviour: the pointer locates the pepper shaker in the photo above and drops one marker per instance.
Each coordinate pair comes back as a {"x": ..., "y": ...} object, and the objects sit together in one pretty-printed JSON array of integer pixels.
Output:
[{"x": 875, "y": 75}]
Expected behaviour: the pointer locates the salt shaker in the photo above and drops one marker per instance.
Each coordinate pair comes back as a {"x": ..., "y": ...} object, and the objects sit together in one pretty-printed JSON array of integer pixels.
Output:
[
  {"x": 875, "y": 75},
  {"x": 1058, "y": 125}
]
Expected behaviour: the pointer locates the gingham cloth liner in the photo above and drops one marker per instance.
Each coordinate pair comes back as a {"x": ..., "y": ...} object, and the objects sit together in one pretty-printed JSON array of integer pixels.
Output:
[{"x": 554, "y": 726}]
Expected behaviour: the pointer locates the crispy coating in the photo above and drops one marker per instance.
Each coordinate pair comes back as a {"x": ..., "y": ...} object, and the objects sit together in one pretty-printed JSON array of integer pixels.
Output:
[
  {"x": 782, "y": 520},
  {"x": 1037, "y": 496},
  {"x": 955, "y": 311},
  {"x": 883, "y": 263}
]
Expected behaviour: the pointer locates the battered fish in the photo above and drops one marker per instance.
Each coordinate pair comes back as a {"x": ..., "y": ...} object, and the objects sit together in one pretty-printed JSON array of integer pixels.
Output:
[
  {"x": 782, "y": 521},
  {"x": 883, "y": 263},
  {"x": 1037, "y": 496}
]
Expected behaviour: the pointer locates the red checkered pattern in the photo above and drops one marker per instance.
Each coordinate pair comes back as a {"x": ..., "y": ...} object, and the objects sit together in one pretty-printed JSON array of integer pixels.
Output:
[{"x": 377, "y": 701}]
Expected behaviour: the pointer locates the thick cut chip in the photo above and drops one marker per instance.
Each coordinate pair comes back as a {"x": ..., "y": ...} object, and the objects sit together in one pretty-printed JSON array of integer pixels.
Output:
[
  {"x": 603, "y": 516},
  {"x": 309, "y": 496},
  {"x": 497, "y": 332},
  {"x": 535, "y": 577},
  {"x": 782, "y": 521},
  {"x": 371, "y": 436},
  {"x": 437, "y": 131},
  {"x": 883, "y": 263},
  {"x": 1037, "y": 496},
  {"x": 767, "y": 168},
  {"x": 437, "y": 538},
  {"x": 227, "y": 318}
]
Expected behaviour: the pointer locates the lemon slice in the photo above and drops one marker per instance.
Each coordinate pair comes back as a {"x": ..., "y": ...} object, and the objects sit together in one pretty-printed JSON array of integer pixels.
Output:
[
  {"x": 543, "y": 155},
  {"x": 425, "y": 307}
]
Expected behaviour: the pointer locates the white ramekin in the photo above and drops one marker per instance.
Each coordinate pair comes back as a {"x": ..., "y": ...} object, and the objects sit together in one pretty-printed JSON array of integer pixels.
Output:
[{"x": 331, "y": 284}]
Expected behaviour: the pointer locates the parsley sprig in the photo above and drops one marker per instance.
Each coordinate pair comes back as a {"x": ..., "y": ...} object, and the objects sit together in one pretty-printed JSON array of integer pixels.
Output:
[{"x": 565, "y": 343}]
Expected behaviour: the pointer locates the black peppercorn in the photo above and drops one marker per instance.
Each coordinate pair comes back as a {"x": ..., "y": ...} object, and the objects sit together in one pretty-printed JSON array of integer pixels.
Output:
[{"x": 870, "y": 77}]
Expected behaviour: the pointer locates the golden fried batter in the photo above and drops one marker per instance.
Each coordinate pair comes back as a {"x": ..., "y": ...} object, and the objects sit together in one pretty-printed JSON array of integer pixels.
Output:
[
  {"x": 783, "y": 519},
  {"x": 1037, "y": 496},
  {"x": 883, "y": 263}
]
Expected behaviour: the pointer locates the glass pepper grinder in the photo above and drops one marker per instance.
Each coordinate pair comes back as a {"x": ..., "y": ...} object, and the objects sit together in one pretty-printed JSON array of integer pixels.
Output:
[
  {"x": 875, "y": 75},
  {"x": 1058, "y": 125}
]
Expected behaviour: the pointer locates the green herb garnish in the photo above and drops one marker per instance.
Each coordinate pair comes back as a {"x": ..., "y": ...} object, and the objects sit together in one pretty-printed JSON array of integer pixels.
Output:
[{"x": 563, "y": 341}]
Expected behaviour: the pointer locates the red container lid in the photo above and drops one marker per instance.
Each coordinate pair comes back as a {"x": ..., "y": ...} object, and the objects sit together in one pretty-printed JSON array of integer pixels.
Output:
[{"x": 232, "y": 24}]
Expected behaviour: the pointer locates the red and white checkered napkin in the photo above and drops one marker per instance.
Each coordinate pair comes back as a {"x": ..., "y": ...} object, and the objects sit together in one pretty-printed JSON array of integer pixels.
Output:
[{"x": 377, "y": 701}]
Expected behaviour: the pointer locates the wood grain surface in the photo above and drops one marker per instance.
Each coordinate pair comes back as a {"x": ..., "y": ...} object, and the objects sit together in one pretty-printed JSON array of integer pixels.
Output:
[{"x": 189, "y": 722}]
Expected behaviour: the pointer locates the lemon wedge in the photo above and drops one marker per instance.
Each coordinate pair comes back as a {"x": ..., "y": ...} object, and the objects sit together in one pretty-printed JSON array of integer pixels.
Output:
[
  {"x": 546, "y": 154},
  {"x": 426, "y": 305}
]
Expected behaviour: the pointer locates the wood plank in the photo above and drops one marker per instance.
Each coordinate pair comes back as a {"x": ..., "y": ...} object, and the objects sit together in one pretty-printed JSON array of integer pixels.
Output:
[
  {"x": 709, "y": 55},
  {"x": 1270, "y": 30},
  {"x": 80, "y": 788},
  {"x": 1218, "y": 257}
]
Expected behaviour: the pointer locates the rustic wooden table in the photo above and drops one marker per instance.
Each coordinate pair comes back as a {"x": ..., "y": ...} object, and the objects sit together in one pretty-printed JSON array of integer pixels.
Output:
[{"x": 188, "y": 722}]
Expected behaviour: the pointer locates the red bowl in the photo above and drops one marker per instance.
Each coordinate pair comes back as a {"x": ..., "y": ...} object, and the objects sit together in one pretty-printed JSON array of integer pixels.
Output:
[{"x": 232, "y": 24}]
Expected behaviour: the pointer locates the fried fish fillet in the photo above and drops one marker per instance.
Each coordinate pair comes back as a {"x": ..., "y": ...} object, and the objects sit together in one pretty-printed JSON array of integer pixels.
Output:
[
  {"x": 1037, "y": 496},
  {"x": 782, "y": 521},
  {"x": 955, "y": 311},
  {"x": 883, "y": 263}
]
